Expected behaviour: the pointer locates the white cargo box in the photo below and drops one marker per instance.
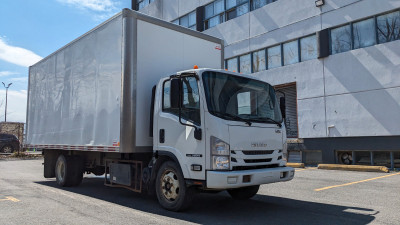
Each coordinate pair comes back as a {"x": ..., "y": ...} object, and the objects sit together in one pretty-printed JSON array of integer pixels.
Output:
[{"x": 94, "y": 94}]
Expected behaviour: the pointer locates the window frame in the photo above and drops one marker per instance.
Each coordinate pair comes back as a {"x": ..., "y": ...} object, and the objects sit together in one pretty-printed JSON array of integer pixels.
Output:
[{"x": 163, "y": 110}]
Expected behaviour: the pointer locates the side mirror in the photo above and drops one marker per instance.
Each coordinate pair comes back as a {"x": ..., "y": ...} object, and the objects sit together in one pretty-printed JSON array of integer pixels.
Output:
[
  {"x": 175, "y": 92},
  {"x": 282, "y": 105}
]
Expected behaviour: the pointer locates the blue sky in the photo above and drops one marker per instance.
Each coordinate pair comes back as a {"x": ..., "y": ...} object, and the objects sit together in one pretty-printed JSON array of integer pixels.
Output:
[{"x": 33, "y": 29}]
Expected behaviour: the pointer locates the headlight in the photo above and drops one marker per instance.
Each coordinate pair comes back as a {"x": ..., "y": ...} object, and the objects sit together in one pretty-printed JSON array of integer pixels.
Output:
[
  {"x": 219, "y": 147},
  {"x": 284, "y": 155},
  {"x": 285, "y": 152},
  {"x": 220, "y": 154},
  {"x": 221, "y": 162}
]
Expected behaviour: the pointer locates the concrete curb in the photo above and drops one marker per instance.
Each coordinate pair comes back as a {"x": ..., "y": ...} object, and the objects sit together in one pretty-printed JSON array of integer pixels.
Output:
[
  {"x": 295, "y": 165},
  {"x": 382, "y": 169}
]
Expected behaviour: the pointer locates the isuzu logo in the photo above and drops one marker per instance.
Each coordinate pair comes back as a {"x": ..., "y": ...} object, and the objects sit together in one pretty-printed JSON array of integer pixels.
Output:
[{"x": 256, "y": 145}]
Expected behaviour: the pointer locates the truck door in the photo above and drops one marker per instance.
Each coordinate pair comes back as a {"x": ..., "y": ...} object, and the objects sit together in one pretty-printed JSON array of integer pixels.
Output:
[{"x": 177, "y": 138}]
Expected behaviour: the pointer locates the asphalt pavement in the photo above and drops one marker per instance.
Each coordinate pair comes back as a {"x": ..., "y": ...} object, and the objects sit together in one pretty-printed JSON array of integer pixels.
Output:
[{"x": 312, "y": 197}]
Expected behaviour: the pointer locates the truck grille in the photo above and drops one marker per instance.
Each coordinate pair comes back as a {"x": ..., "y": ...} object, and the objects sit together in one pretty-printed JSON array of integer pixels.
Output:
[{"x": 257, "y": 160}]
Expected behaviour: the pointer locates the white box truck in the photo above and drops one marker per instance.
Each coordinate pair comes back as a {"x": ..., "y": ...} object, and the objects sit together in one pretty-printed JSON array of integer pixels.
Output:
[{"x": 113, "y": 103}]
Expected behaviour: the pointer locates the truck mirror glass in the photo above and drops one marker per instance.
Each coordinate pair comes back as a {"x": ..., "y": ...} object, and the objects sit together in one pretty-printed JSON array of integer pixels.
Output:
[
  {"x": 282, "y": 104},
  {"x": 175, "y": 92},
  {"x": 197, "y": 134}
]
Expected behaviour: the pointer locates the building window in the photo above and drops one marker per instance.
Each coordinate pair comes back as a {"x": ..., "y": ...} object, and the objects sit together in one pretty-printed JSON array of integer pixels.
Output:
[
  {"x": 255, "y": 4},
  {"x": 341, "y": 39},
  {"x": 308, "y": 48},
  {"x": 290, "y": 53},
  {"x": 188, "y": 21},
  {"x": 236, "y": 8},
  {"x": 143, "y": 3},
  {"x": 388, "y": 27},
  {"x": 364, "y": 33},
  {"x": 259, "y": 61},
  {"x": 214, "y": 13},
  {"x": 274, "y": 57},
  {"x": 220, "y": 11},
  {"x": 232, "y": 64},
  {"x": 245, "y": 63}
]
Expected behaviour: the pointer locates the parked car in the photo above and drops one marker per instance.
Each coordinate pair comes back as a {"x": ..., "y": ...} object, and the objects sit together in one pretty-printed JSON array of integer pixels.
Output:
[{"x": 8, "y": 143}]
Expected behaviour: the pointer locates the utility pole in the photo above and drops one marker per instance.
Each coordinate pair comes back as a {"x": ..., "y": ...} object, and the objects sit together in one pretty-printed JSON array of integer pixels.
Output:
[{"x": 5, "y": 114}]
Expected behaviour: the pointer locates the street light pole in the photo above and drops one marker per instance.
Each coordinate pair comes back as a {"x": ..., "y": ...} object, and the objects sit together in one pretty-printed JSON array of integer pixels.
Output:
[{"x": 5, "y": 114}]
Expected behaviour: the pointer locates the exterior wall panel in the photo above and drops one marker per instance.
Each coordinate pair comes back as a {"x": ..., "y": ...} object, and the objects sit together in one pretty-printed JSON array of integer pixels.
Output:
[
  {"x": 280, "y": 14},
  {"x": 370, "y": 113},
  {"x": 356, "y": 11},
  {"x": 232, "y": 31},
  {"x": 307, "y": 75},
  {"x": 311, "y": 116},
  {"x": 302, "y": 28},
  {"x": 375, "y": 67}
]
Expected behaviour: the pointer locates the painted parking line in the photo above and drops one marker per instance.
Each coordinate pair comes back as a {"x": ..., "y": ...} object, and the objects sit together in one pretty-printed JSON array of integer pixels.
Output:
[
  {"x": 356, "y": 182},
  {"x": 312, "y": 168},
  {"x": 9, "y": 198}
]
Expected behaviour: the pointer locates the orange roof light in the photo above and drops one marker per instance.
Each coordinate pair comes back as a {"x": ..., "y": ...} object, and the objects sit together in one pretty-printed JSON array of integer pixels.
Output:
[{"x": 195, "y": 67}]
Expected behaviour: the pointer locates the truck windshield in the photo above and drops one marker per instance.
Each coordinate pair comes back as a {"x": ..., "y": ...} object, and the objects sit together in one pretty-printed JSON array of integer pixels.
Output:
[{"x": 241, "y": 99}]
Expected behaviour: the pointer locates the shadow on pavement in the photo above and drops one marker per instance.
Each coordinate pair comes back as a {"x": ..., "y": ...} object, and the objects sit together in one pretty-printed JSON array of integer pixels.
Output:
[{"x": 221, "y": 209}]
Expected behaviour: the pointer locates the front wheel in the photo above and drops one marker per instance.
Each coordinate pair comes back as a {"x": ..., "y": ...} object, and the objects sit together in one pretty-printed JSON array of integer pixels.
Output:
[
  {"x": 244, "y": 192},
  {"x": 172, "y": 193}
]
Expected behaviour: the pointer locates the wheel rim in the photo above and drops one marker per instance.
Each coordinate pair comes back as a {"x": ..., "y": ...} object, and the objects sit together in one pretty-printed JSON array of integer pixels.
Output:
[
  {"x": 170, "y": 185},
  {"x": 60, "y": 170},
  {"x": 7, "y": 149}
]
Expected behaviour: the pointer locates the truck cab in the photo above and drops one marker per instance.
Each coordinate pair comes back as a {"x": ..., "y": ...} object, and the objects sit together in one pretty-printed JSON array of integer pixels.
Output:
[{"x": 223, "y": 130}]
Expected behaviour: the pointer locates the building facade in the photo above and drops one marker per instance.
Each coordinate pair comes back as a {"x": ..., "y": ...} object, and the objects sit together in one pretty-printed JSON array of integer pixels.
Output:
[{"x": 337, "y": 61}]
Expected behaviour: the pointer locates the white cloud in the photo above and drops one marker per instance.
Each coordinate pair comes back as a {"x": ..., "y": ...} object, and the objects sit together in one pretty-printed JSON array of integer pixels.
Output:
[
  {"x": 17, "y": 55},
  {"x": 94, "y": 5},
  {"x": 19, "y": 79},
  {"x": 16, "y": 105},
  {"x": 7, "y": 73}
]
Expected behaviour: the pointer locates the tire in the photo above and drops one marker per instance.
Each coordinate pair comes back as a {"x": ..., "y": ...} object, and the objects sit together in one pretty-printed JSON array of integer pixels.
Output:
[
  {"x": 69, "y": 171},
  {"x": 171, "y": 190},
  {"x": 7, "y": 149},
  {"x": 244, "y": 193},
  {"x": 346, "y": 158}
]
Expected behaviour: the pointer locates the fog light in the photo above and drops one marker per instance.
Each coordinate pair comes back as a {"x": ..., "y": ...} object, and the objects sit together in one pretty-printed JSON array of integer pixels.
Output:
[
  {"x": 283, "y": 174},
  {"x": 232, "y": 180}
]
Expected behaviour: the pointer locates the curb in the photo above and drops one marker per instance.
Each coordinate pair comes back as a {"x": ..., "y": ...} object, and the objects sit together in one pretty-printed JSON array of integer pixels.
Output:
[
  {"x": 295, "y": 165},
  {"x": 382, "y": 169}
]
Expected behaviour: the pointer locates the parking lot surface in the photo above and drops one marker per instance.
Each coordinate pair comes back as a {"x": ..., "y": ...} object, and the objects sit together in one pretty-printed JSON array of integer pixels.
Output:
[{"x": 312, "y": 197}]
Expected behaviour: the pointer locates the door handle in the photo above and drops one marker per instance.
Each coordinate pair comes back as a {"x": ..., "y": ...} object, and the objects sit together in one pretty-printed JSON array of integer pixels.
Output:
[{"x": 162, "y": 136}]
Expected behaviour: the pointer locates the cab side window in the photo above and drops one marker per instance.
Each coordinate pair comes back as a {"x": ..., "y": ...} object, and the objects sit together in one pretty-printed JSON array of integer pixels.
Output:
[
  {"x": 191, "y": 100},
  {"x": 190, "y": 109}
]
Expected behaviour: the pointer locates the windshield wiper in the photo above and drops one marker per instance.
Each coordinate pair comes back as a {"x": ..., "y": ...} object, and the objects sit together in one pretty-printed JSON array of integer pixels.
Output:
[
  {"x": 268, "y": 120},
  {"x": 231, "y": 116}
]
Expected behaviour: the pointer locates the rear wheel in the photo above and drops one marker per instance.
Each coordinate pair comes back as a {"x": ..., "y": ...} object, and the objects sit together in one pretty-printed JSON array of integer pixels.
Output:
[
  {"x": 244, "y": 192},
  {"x": 69, "y": 171},
  {"x": 172, "y": 193},
  {"x": 7, "y": 149}
]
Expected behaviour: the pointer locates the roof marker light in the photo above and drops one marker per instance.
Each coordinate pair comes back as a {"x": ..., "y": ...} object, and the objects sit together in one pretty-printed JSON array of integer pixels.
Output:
[{"x": 195, "y": 67}]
